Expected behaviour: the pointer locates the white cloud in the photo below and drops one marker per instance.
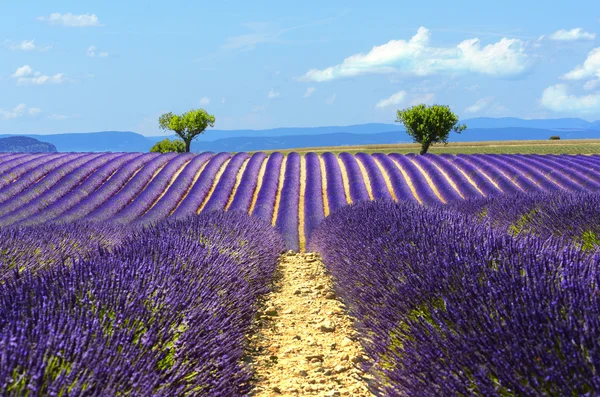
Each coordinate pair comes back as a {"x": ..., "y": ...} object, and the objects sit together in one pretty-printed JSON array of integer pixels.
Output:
[
  {"x": 92, "y": 53},
  {"x": 222, "y": 100},
  {"x": 591, "y": 84},
  {"x": 25, "y": 45},
  {"x": 426, "y": 99},
  {"x": 557, "y": 98},
  {"x": 34, "y": 111},
  {"x": 479, "y": 105},
  {"x": 25, "y": 75},
  {"x": 24, "y": 70},
  {"x": 56, "y": 116},
  {"x": 68, "y": 19},
  {"x": 487, "y": 105},
  {"x": 19, "y": 111},
  {"x": 309, "y": 91},
  {"x": 572, "y": 35},
  {"x": 272, "y": 94},
  {"x": 330, "y": 99},
  {"x": 503, "y": 58},
  {"x": 395, "y": 99},
  {"x": 204, "y": 101},
  {"x": 590, "y": 67}
]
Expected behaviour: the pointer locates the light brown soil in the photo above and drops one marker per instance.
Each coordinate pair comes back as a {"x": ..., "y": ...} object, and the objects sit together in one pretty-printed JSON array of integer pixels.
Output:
[{"x": 303, "y": 342}]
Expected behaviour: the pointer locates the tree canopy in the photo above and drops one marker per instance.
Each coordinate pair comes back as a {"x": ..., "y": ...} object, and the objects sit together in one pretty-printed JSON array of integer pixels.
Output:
[
  {"x": 429, "y": 124},
  {"x": 167, "y": 146},
  {"x": 188, "y": 125}
]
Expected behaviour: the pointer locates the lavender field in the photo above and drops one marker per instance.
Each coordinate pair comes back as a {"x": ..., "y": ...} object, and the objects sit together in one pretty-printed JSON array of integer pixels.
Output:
[{"x": 140, "y": 274}]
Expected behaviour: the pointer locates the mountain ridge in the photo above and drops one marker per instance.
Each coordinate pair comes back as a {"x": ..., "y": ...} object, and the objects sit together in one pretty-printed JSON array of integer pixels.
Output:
[{"x": 296, "y": 137}]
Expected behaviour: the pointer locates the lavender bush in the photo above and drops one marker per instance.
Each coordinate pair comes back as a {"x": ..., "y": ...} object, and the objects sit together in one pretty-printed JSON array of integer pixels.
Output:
[
  {"x": 447, "y": 305},
  {"x": 165, "y": 313}
]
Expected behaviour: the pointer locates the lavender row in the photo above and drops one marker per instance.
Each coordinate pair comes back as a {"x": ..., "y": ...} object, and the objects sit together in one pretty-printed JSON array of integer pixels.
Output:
[
  {"x": 587, "y": 168},
  {"x": 265, "y": 201},
  {"x": 446, "y": 305},
  {"x": 550, "y": 172},
  {"x": 80, "y": 192},
  {"x": 424, "y": 192},
  {"x": 543, "y": 182},
  {"x": 516, "y": 176},
  {"x": 163, "y": 208},
  {"x": 336, "y": 195},
  {"x": 378, "y": 185},
  {"x": 358, "y": 188},
  {"x": 444, "y": 188},
  {"x": 29, "y": 249},
  {"x": 72, "y": 180},
  {"x": 506, "y": 185},
  {"x": 23, "y": 165},
  {"x": 243, "y": 197},
  {"x": 108, "y": 189},
  {"x": 287, "y": 215},
  {"x": 399, "y": 184},
  {"x": 45, "y": 184},
  {"x": 467, "y": 190},
  {"x": 223, "y": 190},
  {"x": 197, "y": 194},
  {"x": 23, "y": 176},
  {"x": 11, "y": 161},
  {"x": 570, "y": 173},
  {"x": 313, "y": 194},
  {"x": 80, "y": 330},
  {"x": 152, "y": 191},
  {"x": 571, "y": 217},
  {"x": 131, "y": 189}
]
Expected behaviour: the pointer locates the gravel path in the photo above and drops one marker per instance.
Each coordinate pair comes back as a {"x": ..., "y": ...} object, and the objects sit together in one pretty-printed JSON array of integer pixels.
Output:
[{"x": 303, "y": 342}]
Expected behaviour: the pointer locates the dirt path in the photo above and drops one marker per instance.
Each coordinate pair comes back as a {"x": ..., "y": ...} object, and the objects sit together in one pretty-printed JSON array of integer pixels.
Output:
[{"x": 304, "y": 343}]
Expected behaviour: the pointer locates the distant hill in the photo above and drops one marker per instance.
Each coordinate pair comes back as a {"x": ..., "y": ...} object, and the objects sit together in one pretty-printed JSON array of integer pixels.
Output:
[
  {"x": 25, "y": 144},
  {"x": 105, "y": 141},
  {"x": 479, "y": 129},
  {"x": 505, "y": 122},
  {"x": 214, "y": 134},
  {"x": 247, "y": 144}
]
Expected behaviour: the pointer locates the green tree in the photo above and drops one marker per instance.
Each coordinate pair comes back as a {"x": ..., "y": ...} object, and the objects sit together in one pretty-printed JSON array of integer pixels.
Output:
[
  {"x": 167, "y": 146},
  {"x": 427, "y": 125},
  {"x": 188, "y": 125}
]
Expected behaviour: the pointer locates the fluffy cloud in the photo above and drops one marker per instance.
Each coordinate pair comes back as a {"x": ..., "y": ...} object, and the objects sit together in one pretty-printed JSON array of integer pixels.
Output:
[
  {"x": 272, "y": 94},
  {"x": 24, "y": 70},
  {"x": 572, "y": 35},
  {"x": 504, "y": 58},
  {"x": 19, "y": 111},
  {"x": 92, "y": 52},
  {"x": 395, "y": 99},
  {"x": 590, "y": 67},
  {"x": 479, "y": 105},
  {"x": 330, "y": 100},
  {"x": 557, "y": 98},
  {"x": 309, "y": 91},
  {"x": 488, "y": 106},
  {"x": 590, "y": 85},
  {"x": 68, "y": 19},
  {"x": 204, "y": 101},
  {"x": 25, "y": 75},
  {"x": 426, "y": 99},
  {"x": 25, "y": 45}
]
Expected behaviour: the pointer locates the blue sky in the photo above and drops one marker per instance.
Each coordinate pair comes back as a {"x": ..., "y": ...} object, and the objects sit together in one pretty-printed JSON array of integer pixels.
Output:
[{"x": 73, "y": 66}]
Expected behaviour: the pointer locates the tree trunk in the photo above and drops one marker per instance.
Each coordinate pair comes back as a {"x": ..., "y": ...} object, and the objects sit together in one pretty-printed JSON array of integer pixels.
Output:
[
  {"x": 188, "y": 144},
  {"x": 425, "y": 147}
]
